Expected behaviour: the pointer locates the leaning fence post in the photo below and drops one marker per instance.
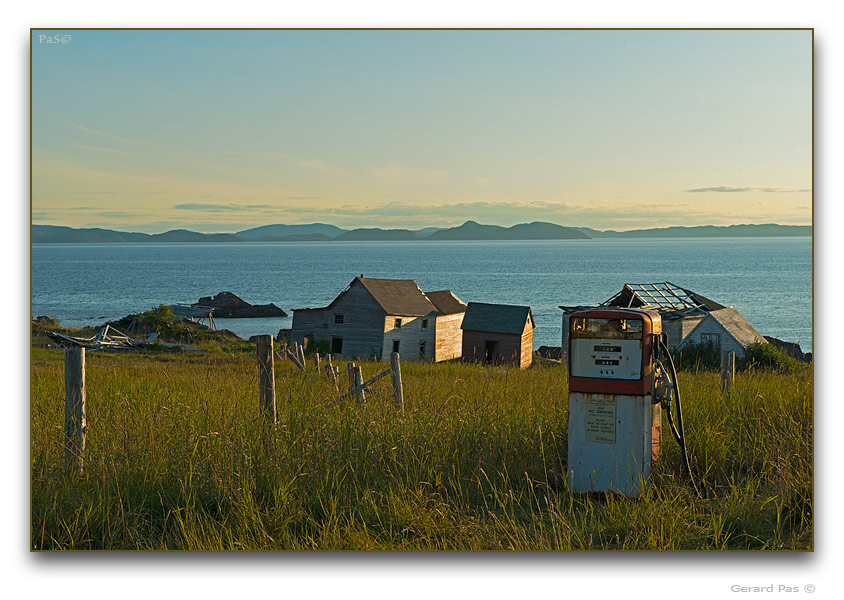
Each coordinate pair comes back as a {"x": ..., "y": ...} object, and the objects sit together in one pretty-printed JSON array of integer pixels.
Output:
[
  {"x": 728, "y": 370},
  {"x": 395, "y": 364},
  {"x": 75, "y": 422},
  {"x": 302, "y": 355},
  {"x": 331, "y": 374},
  {"x": 266, "y": 371},
  {"x": 359, "y": 386}
]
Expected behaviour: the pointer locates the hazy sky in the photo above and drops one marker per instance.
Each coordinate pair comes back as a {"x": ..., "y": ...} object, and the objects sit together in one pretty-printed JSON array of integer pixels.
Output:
[{"x": 226, "y": 130}]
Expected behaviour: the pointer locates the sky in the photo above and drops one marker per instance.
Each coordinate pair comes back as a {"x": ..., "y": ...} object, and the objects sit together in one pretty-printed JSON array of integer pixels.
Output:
[{"x": 221, "y": 131}]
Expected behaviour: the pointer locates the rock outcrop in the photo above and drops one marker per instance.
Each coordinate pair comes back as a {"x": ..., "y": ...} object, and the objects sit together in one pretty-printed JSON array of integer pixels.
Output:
[{"x": 228, "y": 305}]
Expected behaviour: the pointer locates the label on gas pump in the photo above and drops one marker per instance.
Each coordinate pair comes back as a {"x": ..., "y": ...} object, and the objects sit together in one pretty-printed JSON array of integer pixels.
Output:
[{"x": 600, "y": 419}]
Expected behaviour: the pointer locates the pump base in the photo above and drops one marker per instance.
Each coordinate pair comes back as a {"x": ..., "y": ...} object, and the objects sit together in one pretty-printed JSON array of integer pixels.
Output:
[{"x": 612, "y": 441}]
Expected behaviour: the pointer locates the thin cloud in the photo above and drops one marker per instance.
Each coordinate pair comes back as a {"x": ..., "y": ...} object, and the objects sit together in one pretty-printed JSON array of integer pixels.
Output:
[
  {"x": 221, "y": 207},
  {"x": 99, "y": 148},
  {"x": 99, "y": 133},
  {"x": 730, "y": 189},
  {"x": 89, "y": 193},
  {"x": 115, "y": 215}
]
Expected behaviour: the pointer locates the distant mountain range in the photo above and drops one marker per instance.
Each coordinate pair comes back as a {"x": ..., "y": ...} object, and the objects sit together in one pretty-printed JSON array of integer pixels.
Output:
[{"x": 470, "y": 230}]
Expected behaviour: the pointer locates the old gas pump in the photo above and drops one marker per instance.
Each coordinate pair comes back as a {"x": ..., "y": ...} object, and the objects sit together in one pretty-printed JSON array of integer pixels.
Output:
[{"x": 616, "y": 378}]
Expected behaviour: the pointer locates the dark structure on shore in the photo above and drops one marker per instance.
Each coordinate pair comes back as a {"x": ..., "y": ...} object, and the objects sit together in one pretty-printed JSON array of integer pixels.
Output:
[{"x": 228, "y": 305}]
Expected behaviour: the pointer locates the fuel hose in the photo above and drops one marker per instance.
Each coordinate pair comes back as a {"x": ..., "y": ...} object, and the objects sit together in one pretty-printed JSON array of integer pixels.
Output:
[{"x": 677, "y": 430}]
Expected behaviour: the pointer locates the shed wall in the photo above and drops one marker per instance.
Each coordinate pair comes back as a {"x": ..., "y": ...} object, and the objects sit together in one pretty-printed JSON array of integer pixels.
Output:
[{"x": 512, "y": 348}]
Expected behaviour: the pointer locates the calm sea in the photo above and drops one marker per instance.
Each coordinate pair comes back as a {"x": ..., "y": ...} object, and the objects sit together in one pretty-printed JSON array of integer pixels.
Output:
[{"x": 769, "y": 280}]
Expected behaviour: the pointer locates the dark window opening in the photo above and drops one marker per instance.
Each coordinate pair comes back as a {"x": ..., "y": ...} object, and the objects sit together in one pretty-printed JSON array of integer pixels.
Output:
[
  {"x": 336, "y": 345},
  {"x": 711, "y": 338},
  {"x": 398, "y": 323},
  {"x": 422, "y": 348},
  {"x": 424, "y": 323},
  {"x": 396, "y": 345},
  {"x": 338, "y": 319}
]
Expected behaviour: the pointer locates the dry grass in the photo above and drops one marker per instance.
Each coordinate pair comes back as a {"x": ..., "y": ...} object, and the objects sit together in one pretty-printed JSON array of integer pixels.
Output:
[{"x": 178, "y": 458}]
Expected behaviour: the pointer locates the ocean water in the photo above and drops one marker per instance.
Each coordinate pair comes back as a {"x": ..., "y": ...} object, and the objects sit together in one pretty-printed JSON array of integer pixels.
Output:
[{"x": 769, "y": 280}]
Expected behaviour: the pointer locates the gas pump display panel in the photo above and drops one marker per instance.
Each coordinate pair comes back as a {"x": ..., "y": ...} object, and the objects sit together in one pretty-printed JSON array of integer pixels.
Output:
[{"x": 606, "y": 348}]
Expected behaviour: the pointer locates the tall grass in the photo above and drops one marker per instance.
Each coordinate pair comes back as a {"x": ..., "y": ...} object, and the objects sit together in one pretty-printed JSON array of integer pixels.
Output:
[{"x": 179, "y": 458}]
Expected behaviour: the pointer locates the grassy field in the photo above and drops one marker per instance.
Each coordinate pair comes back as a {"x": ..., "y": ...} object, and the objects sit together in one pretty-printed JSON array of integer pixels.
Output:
[{"x": 179, "y": 458}]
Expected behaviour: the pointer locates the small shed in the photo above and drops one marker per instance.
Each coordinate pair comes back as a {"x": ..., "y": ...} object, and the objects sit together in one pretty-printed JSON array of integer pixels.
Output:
[
  {"x": 498, "y": 334},
  {"x": 726, "y": 330}
]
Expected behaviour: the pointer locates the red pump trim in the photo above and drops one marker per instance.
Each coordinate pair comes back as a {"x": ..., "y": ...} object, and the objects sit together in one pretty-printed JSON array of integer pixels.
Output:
[{"x": 652, "y": 323}]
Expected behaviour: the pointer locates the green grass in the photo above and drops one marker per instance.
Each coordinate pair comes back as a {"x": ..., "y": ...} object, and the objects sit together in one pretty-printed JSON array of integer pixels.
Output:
[{"x": 179, "y": 458}]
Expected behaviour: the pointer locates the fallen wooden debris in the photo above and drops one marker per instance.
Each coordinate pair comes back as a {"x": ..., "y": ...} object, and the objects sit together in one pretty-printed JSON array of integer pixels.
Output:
[{"x": 108, "y": 338}]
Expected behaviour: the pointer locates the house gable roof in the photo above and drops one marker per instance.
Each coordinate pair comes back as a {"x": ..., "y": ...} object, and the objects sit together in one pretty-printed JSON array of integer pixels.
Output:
[
  {"x": 398, "y": 296},
  {"x": 733, "y": 323},
  {"x": 497, "y": 318},
  {"x": 446, "y": 302}
]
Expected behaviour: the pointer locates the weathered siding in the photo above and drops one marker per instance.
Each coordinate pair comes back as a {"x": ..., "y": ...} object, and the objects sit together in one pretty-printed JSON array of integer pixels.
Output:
[
  {"x": 306, "y": 323},
  {"x": 713, "y": 327},
  {"x": 361, "y": 330},
  {"x": 449, "y": 337},
  {"x": 689, "y": 324},
  {"x": 409, "y": 336},
  {"x": 526, "y": 356},
  {"x": 512, "y": 349}
]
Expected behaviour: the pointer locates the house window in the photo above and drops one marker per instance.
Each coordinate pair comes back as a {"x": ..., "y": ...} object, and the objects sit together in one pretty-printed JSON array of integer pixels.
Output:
[
  {"x": 424, "y": 323},
  {"x": 711, "y": 338},
  {"x": 398, "y": 322},
  {"x": 336, "y": 345},
  {"x": 396, "y": 345},
  {"x": 422, "y": 348},
  {"x": 338, "y": 319}
]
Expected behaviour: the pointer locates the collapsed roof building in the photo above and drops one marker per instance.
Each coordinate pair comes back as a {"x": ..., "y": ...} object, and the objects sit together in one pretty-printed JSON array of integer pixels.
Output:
[{"x": 681, "y": 309}]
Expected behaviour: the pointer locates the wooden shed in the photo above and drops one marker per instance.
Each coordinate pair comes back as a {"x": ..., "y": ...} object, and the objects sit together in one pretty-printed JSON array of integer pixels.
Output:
[
  {"x": 725, "y": 329},
  {"x": 498, "y": 334},
  {"x": 374, "y": 317}
]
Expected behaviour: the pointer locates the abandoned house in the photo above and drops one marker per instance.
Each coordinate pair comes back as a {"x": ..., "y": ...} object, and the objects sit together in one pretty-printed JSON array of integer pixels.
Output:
[
  {"x": 374, "y": 317},
  {"x": 681, "y": 309},
  {"x": 498, "y": 333},
  {"x": 726, "y": 330}
]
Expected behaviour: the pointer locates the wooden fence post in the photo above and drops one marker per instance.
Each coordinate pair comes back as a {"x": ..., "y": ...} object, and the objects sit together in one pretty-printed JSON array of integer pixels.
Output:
[
  {"x": 75, "y": 421},
  {"x": 316, "y": 360},
  {"x": 395, "y": 364},
  {"x": 728, "y": 370},
  {"x": 266, "y": 372},
  {"x": 359, "y": 385},
  {"x": 350, "y": 369},
  {"x": 302, "y": 355}
]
